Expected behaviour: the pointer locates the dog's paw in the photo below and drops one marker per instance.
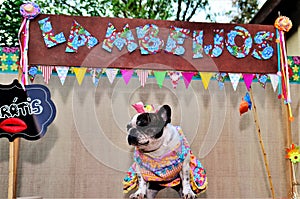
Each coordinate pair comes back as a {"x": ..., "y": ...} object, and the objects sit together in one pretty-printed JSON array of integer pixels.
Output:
[
  {"x": 189, "y": 194},
  {"x": 137, "y": 195}
]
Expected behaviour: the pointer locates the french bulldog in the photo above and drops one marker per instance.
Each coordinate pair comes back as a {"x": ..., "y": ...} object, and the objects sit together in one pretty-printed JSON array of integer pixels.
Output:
[{"x": 162, "y": 157}]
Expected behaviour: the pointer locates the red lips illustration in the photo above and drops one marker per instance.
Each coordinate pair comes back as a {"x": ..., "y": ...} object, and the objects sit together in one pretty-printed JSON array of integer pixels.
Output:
[{"x": 13, "y": 125}]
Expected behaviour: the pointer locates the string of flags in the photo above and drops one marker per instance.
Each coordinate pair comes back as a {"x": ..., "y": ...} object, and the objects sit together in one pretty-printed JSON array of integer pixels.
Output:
[
  {"x": 9, "y": 63},
  {"x": 160, "y": 76},
  {"x": 175, "y": 76}
]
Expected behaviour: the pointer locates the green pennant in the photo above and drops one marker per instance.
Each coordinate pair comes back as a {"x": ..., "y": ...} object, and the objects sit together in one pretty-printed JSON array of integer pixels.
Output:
[{"x": 160, "y": 77}]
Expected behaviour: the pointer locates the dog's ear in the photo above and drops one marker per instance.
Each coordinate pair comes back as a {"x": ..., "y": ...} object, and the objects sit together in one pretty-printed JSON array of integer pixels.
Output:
[{"x": 165, "y": 113}]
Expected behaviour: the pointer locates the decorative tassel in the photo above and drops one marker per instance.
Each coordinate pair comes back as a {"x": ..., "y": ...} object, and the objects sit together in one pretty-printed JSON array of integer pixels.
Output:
[{"x": 29, "y": 11}]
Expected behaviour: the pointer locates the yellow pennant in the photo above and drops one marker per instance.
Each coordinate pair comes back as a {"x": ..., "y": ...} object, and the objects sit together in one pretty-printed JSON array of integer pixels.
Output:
[
  {"x": 205, "y": 77},
  {"x": 79, "y": 73}
]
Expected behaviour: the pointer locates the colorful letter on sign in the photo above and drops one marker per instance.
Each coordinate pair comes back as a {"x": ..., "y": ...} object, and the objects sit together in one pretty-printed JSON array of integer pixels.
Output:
[
  {"x": 79, "y": 36},
  {"x": 148, "y": 38},
  {"x": 119, "y": 39},
  {"x": 48, "y": 33},
  {"x": 25, "y": 113}
]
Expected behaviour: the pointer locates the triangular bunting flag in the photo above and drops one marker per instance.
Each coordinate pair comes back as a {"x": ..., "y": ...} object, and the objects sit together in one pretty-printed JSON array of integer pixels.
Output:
[
  {"x": 262, "y": 79},
  {"x": 127, "y": 74},
  {"x": 220, "y": 77},
  {"x": 33, "y": 70},
  {"x": 175, "y": 77},
  {"x": 79, "y": 73},
  {"x": 234, "y": 78},
  {"x": 95, "y": 73},
  {"x": 160, "y": 77},
  {"x": 143, "y": 75},
  {"x": 248, "y": 78},
  {"x": 187, "y": 77},
  {"x": 47, "y": 71},
  {"x": 274, "y": 81},
  {"x": 111, "y": 74},
  {"x": 62, "y": 72},
  {"x": 206, "y": 76}
]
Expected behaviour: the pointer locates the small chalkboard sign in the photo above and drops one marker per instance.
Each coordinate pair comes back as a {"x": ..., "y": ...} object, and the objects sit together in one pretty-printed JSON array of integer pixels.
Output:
[{"x": 25, "y": 112}]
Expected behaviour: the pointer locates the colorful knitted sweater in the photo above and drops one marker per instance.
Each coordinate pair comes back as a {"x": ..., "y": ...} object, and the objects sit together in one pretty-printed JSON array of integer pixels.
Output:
[{"x": 166, "y": 169}]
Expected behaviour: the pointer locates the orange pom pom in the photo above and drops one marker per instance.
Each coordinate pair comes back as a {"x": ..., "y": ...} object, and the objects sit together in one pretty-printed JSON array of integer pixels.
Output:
[
  {"x": 283, "y": 23},
  {"x": 244, "y": 107}
]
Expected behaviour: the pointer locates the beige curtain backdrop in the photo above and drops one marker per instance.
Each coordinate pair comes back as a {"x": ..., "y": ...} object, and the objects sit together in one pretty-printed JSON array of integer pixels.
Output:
[{"x": 84, "y": 153}]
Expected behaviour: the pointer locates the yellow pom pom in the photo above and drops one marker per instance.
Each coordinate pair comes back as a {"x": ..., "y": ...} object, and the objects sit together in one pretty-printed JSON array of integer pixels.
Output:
[{"x": 148, "y": 108}]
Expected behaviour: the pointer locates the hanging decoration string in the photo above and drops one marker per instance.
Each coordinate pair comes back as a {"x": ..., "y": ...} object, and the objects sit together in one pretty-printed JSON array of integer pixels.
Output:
[
  {"x": 29, "y": 11},
  {"x": 279, "y": 64},
  {"x": 283, "y": 24}
]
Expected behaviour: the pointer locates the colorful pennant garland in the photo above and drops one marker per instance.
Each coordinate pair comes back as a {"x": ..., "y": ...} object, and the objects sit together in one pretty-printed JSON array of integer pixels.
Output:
[
  {"x": 220, "y": 77},
  {"x": 127, "y": 74},
  {"x": 32, "y": 72},
  {"x": 79, "y": 73},
  {"x": 47, "y": 71},
  {"x": 143, "y": 75},
  {"x": 96, "y": 74},
  {"x": 248, "y": 78},
  {"x": 175, "y": 77},
  {"x": 62, "y": 72},
  {"x": 262, "y": 79},
  {"x": 187, "y": 78},
  {"x": 274, "y": 81},
  {"x": 234, "y": 78},
  {"x": 160, "y": 77},
  {"x": 206, "y": 76},
  {"x": 111, "y": 74},
  {"x": 10, "y": 56}
]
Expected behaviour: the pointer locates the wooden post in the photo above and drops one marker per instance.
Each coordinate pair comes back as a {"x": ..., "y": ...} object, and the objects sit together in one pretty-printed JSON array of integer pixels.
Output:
[
  {"x": 13, "y": 163},
  {"x": 255, "y": 116},
  {"x": 289, "y": 165}
]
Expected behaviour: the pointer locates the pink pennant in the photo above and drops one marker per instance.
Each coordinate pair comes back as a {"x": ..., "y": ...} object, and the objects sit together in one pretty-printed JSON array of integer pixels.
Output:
[
  {"x": 143, "y": 75},
  {"x": 248, "y": 78},
  {"x": 187, "y": 77},
  {"x": 47, "y": 71},
  {"x": 127, "y": 74}
]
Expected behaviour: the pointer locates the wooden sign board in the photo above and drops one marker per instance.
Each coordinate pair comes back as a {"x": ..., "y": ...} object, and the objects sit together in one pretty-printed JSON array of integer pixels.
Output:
[{"x": 59, "y": 40}]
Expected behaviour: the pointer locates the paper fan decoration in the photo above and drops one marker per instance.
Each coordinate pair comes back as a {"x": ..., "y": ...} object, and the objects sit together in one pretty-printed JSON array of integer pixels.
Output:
[
  {"x": 246, "y": 104},
  {"x": 30, "y": 10},
  {"x": 283, "y": 23},
  {"x": 293, "y": 153}
]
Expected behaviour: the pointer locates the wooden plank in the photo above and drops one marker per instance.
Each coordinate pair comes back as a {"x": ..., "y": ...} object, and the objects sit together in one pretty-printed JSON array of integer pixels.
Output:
[
  {"x": 39, "y": 54},
  {"x": 13, "y": 164}
]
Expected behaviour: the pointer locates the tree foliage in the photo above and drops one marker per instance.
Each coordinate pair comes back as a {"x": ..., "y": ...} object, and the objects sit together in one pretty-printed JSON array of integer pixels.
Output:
[
  {"x": 149, "y": 9},
  {"x": 10, "y": 21},
  {"x": 246, "y": 9},
  {"x": 182, "y": 10},
  {"x": 10, "y": 17}
]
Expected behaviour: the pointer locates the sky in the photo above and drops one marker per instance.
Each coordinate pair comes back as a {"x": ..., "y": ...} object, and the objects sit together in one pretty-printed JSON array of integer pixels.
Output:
[{"x": 219, "y": 6}]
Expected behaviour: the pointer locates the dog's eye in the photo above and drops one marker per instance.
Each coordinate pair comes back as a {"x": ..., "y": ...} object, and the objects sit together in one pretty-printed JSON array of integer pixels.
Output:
[{"x": 143, "y": 119}]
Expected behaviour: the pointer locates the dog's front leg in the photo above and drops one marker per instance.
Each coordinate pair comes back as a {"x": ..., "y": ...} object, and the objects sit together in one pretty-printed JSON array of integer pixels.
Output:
[
  {"x": 187, "y": 191},
  {"x": 141, "y": 192}
]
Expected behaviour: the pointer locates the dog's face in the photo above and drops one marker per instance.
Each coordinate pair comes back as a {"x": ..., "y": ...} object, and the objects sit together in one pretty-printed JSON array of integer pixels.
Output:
[{"x": 145, "y": 130}]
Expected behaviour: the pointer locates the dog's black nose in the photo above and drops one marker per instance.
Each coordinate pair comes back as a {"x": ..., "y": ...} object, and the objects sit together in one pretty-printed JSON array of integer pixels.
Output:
[
  {"x": 132, "y": 137},
  {"x": 132, "y": 140}
]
